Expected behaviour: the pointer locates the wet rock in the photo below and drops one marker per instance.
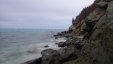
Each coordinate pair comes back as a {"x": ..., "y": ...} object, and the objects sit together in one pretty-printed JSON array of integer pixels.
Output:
[
  {"x": 68, "y": 42},
  {"x": 61, "y": 44},
  {"x": 46, "y": 46},
  {"x": 62, "y": 34},
  {"x": 50, "y": 56},
  {"x": 35, "y": 61},
  {"x": 74, "y": 40}
]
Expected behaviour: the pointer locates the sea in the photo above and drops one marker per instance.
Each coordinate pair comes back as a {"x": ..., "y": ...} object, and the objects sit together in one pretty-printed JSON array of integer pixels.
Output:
[{"x": 20, "y": 45}]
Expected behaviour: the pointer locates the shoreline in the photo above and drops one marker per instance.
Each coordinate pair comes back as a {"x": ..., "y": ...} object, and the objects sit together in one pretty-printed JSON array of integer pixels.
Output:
[
  {"x": 65, "y": 52},
  {"x": 36, "y": 49}
]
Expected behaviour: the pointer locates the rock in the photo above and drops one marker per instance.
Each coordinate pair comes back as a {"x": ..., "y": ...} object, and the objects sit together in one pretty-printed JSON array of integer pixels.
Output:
[
  {"x": 102, "y": 5},
  {"x": 68, "y": 41},
  {"x": 78, "y": 46},
  {"x": 71, "y": 28},
  {"x": 56, "y": 43},
  {"x": 92, "y": 19},
  {"x": 107, "y": 0},
  {"x": 83, "y": 26},
  {"x": 89, "y": 27},
  {"x": 98, "y": 28},
  {"x": 97, "y": 49},
  {"x": 46, "y": 46},
  {"x": 68, "y": 53},
  {"x": 50, "y": 56},
  {"x": 62, "y": 34},
  {"x": 74, "y": 21},
  {"x": 35, "y": 61},
  {"x": 110, "y": 15},
  {"x": 101, "y": 23},
  {"x": 95, "y": 15},
  {"x": 61, "y": 44},
  {"x": 66, "y": 35},
  {"x": 108, "y": 32},
  {"x": 75, "y": 40}
]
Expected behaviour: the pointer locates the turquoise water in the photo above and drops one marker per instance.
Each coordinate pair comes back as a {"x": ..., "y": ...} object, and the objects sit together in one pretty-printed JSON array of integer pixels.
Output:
[{"x": 14, "y": 43}]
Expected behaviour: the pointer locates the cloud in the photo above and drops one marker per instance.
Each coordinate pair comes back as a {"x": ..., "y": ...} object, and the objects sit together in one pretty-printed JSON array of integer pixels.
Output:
[{"x": 39, "y": 13}]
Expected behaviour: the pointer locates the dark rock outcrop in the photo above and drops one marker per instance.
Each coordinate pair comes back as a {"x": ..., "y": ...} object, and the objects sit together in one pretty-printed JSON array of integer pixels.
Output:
[
  {"x": 98, "y": 28},
  {"x": 35, "y": 61},
  {"x": 46, "y": 46},
  {"x": 50, "y": 56},
  {"x": 61, "y": 44},
  {"x": 62, "y": 34},
  {"x": 66, "y": 55}
]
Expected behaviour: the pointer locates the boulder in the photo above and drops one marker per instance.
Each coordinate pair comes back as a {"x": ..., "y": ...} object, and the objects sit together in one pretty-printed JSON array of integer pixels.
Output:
[
  {"x": 61, "y": 44},
  {"x": 68, "y": 53},
  {"x": 46, "y": 46},
  {"x": 68, "y": 41},
  {"x": 34, "y": 61},
  {"x": 50, "y": 56},
  {"x": 74, "y": 40}
]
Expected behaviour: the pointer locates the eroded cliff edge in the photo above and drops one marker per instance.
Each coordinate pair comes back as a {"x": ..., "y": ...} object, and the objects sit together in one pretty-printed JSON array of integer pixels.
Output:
[{"x": 90, "y": 41}]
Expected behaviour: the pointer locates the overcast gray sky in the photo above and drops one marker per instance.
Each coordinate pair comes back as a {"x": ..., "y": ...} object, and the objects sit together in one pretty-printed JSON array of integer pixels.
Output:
[{"x": 46, "y": 14}]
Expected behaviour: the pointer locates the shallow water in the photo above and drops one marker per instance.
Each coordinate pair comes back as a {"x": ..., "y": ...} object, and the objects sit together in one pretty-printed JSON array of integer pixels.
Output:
[{"x": 17, "y": 46}]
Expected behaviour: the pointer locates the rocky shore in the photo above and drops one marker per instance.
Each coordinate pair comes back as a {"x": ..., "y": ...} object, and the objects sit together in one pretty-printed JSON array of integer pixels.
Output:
[{"x": 89, "y": 41}]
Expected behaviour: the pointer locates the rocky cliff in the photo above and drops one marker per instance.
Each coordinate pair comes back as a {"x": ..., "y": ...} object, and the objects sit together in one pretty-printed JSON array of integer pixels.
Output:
[{"x": 91, "y": 38}]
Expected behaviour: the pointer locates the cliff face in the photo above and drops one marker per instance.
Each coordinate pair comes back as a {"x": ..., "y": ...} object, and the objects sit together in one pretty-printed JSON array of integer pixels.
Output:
[
  {"x": 90, "y": 41},
  {"x": 97, "y": 30}
]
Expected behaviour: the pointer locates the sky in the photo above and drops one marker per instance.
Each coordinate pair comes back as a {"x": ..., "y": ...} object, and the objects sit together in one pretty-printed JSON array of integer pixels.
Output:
[{"x": 40, "y": 14}]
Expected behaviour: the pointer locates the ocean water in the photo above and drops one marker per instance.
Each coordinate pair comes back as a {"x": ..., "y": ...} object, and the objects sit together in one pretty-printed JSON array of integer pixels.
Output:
[{"x": 20, "y": 45}]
